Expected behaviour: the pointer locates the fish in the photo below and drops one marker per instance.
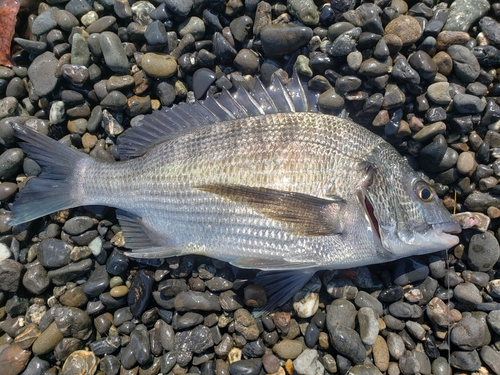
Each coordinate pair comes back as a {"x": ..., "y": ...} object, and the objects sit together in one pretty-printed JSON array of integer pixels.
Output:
[{"x": 257, "y": 178}]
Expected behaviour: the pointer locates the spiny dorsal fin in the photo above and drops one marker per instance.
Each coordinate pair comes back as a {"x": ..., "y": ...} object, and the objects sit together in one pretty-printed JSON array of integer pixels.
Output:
[
  {"x": 169, "y": 123},
  {"x": 306, "y": 215}
]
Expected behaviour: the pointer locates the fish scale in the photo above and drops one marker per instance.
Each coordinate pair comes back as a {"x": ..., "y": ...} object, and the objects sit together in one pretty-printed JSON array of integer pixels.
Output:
[{"x": 287, "y": 191}]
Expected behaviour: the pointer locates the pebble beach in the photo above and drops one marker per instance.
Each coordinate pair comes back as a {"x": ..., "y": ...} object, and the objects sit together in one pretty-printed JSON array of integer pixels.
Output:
[{"x": 424, "y": 75}]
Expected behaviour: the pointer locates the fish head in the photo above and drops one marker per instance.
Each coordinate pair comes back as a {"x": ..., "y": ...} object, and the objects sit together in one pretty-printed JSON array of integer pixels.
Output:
[{"x": 406, "y": 215}]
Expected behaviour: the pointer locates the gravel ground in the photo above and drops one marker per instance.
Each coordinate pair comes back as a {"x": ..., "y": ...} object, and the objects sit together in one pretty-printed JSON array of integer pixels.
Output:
[{"x": 422, "y": 74}]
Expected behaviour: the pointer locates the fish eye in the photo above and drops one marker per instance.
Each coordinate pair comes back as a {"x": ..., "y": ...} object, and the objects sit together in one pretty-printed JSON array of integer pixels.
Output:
[{"x": 424, "y": 192}]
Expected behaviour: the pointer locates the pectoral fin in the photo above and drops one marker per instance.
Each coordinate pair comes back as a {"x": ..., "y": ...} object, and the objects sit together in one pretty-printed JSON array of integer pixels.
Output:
[{"x": 305, "y": 214}]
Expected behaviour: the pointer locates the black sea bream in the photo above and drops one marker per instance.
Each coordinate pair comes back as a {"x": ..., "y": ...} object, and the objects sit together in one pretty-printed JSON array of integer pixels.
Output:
[{"x": 257, "y": 182}]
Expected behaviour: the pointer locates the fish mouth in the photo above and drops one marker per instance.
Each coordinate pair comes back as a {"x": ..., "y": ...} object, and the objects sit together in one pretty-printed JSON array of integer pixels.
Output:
[{"x": 446, "y": 232}]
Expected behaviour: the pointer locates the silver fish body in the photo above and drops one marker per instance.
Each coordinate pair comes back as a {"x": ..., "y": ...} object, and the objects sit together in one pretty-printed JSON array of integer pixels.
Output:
[
  {"x": 272, "y": 191},
  {"x": 175, "y": 195}
]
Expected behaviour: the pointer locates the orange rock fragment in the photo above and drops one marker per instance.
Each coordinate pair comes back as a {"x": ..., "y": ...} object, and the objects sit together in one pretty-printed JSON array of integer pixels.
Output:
[{"x": 8, "y": 13}]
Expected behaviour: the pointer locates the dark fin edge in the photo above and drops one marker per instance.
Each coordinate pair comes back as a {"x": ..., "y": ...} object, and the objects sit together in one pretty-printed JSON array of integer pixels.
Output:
[
  {"x": 53, "y": 189},
  {"x": 169, "y": 123}
]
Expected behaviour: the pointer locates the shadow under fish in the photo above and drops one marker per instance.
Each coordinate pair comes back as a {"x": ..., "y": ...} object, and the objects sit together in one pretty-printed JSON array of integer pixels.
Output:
[{"x": 260, "y": 179}]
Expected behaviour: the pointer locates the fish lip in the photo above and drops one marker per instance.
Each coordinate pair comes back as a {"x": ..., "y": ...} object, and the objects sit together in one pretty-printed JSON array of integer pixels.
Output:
[{"x": 446, "y": 231}]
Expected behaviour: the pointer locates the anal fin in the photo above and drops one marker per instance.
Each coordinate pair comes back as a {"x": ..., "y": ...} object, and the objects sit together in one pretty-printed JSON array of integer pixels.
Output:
[{"x": 136, "y": 233}]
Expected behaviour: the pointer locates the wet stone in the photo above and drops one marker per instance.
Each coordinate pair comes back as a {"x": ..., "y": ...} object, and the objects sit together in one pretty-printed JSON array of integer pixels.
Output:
[
  {"x": 140, "y": 292},
  {"x": 97, "y": 283},
  {"x": 345, "y": 43},
  {"x": 73, "y": 322},
  {"x": 159, "y": 65},
  {"x": 348, "y": 343},
  {"x": 423, "y": 64},
  {"x": 404, "y": 72},
  {"x": 288, "y": 349},
  {"x": 466, "y": 103},
  {"x": 468, "y": 333},
  {"x": 109, "y": 364},
  {"x": 465, "y": 64},
  {"x": 467, "y": 293},
  {"x": 246, "y": 367},
  {"x": 10, "y": 275},
  {"x": 53, "y": 253},
  {"x": 465, "y": 360},
  {"x": 113, "y": 52},
  {"x": 406, "y": 28},
  {"x": 340, "y": 312},
  {"x": 62, "y": 275},
  {"x": 463, "y": 13},
  {"x": 483, "y": 252},
  {"x": 190, "y": 300},
  {"x": 117, "y": 263},
  {"x": 280, "y": 40}
]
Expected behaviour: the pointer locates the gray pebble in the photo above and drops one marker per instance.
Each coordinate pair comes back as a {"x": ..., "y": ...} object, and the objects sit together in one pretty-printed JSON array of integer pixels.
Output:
[
  {"x": 440, "y": 366},
  {"x": 468, "y": 361},
  {"x": 240, "y": 28},
  {"x": 44, "y": 22},
  {"x": 363, "y": 299},
  {"x": 78, "y": 7},
  {"x": 467, "y": 293},
  {"x": 139, "y": 344},
  {"x": 348, "y": 343},
  {"x": 483, "y": 252},
  {"x": 180, "y": 7},
  {"x": 280, "y": 40},
  {"x": 466, "y": 103},
  {"x": 35, "y": 280},
  {"x": 41, "y": 73},
  {"x": 491, "y": 357},
  {"x": 468, "y": 333},
  {"x": 404, "y": 310},
  {"x": 465, "y": 64},
  {"x": 10, "y": 275},
  {"x": 113, "y": 52},
  {"x": 33, "y": 47},
  {"x": 65, "y": 20},
  {"x": 193, "y": 26},
  {"x": 340, "y": 312},
  {"x": 77, "y": 225},
  {"x": 53, "y": 253},
  {"x": 73, "y": 322},
  {"x": 368, "y": 325},
  {"x": 11, "y": 161},
  {"x": 345, "y": 43},
  {"x": 403, "y": 71},
  {"x": 408, "y": 364},
  {"x": 463, "y": 13},
  {"x": 192, "y": 300},
  {"x": 61, "y": 276}
]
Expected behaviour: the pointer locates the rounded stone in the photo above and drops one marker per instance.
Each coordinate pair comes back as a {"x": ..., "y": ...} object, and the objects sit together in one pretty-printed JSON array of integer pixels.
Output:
[
  {"x": 288, "y": 349},
  {"x": 406, "y": 28},
  {"x": 113, "y": 52},
  {"x": 159, "y": 65},
  {"x": 483, "y": 252}
]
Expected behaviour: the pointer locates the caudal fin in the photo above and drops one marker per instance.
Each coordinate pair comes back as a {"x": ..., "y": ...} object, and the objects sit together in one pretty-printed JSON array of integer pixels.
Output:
[{"x": 54, "y": 189}]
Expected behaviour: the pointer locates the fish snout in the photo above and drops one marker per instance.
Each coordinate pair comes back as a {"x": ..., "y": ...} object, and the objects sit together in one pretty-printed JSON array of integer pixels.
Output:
[{"x": 446, "y": 232}]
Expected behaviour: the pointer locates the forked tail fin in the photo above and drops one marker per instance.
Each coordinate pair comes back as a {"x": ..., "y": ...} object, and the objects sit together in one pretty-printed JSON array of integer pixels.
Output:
[{"x": 56, "y": 188}]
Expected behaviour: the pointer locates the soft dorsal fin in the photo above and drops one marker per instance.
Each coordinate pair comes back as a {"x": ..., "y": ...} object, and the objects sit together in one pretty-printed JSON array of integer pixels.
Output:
[
  {"x": 169, "y": 123},
  {"x": 305, "y": 215}
]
